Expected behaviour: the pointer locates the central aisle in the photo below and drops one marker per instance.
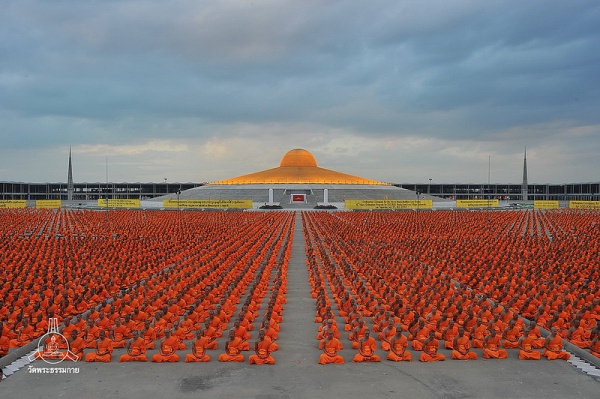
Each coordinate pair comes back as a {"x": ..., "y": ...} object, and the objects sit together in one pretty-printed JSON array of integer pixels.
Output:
[{"x": 297, "y": 338}]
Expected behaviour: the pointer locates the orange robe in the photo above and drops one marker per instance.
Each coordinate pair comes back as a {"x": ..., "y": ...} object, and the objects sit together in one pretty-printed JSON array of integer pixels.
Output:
[
  {"x": 263, "y": 354},
  {"x": 527, "y": 352},
  {"x": 398, "y": 350},
  {"x": 580, "y": 338},
  {"x": 491, "y": 349},
  {"x": 232, "y": 351},
  {"x": 512, "y": 338},
  {"x": 420, "y": 337},
  {"x": 554, "y": 349},
  {"x": 76, "y": 347},
  {"x": 479, "y": 335},
  {"x": 119, "y": 336},
  {"x": 385, "y": 336},
  {"x": 149, "y": 337},
  {"x": 245, "y": 336},
  {"x": 367, "y": 351},
  {"x": 461, "y": 350},
  {"x": 330, "y": 352},
  {"x": 538, "y": 341},
  {"x": 167, "y": 351},
  {"x": 136, "y": 352},
  {"x": 198, "y": 351},
  {"x": 430, "y": 352},
  {"x": 4, "y": 345},
  {"x": 103, "y": 353},
  {"x": 25, "y": 336},
  {"x": 91, "y": 337}
]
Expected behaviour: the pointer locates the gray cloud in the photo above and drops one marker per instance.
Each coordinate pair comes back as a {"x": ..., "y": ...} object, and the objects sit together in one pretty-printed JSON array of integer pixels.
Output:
[{"x": 488, "y": 77}]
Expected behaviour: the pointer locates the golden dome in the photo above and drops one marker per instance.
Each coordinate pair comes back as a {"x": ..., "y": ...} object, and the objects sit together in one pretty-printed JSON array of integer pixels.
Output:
[
  {"x": 298, "y": 157},
  {"x": 298, "y": 167}
]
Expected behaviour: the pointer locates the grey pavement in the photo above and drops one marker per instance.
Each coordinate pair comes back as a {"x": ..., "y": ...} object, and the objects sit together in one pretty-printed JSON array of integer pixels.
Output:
[{"x": 297, "y": 374}]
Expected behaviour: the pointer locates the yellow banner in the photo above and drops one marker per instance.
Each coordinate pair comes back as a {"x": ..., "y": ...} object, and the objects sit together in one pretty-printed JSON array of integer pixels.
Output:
[
  {"x": 539, "y": 204},
  {"x": 477, "y": 203},
  {"x": 584, "y": 204},
  {"x": 204, "y": 204},
  {"x": 388, "y": 204},
  {"x": 119, "y": 203},
  {"x": 48, "y": 204},
  {"x": 13, "y": 204}
]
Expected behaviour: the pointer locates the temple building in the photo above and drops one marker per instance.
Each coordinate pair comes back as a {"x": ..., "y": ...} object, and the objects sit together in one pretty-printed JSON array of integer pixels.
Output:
[
  {"x": 298, "y": 166},
  {"x": 298, "y": 182}
]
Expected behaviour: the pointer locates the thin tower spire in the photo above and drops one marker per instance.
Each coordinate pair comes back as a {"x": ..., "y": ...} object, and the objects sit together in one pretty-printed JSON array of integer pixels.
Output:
[
  {"x": 525, "y": 186},
  {"x": 70, "y": 185}
]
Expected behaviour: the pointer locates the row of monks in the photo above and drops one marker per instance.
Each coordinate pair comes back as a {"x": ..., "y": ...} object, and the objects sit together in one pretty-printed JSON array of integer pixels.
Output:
[
  {"x": 180, "y": 277},
  {"x": 371, "y": 265},
  {"x": 205, "y": 265}
]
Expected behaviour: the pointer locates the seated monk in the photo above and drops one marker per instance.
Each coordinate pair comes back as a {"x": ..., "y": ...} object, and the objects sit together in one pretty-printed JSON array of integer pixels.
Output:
[
  {"x": 330, "y": 346},
  {"x": 68, "y": 328},
  {"x": 595, "y": 347},
  {"x": 198, "y": 349},
  {"x": 352, "y": 316},
  {"x": 357, "y": 333},
  {"x": 271, "y": 330},
  {"x": 511, "y": 334},
  {"x": 243, "y": 334},
  {"x": 40, "y": 326},
  {"x": 178, "y": 332},
  {"x": 187, "y": 325},
  {"x": 117, "y": 334},
  {"x": 366, "y": 349},
  {"x": 216, "y": 323},
  {"x": 76, "y": 347},
  {"x": 478, "y": 333},
  {"x": 461, "y": 346},
  {"x": 211, "y": 333},
  {"x": 449, "y": 334},
  {"x": 262, "y": 352},
  {"x": 25, "y": 335},
  {"x": 104, "y": 349},
  {"x": 397, "y": 347},
  {"x": 386, "y": 335},
  {"x": 136, "y": 349},
  {"x": 4, "y": 341},
  {"x": 319, "y": 317},
  {"x": 422, "y": 332},
  {"x": 328, "y": 324},
  {"x": 534, "y": 332},
  {"x": 526, "y": 350},
  {"x": 577, "y": 335},
  {"x": 149, "y": 335},
  {"x": 168, "y": 346},
  {"x": 491, "y": 346},
  {"x": 430, "y": 350},
  {"x": 232, "y": 349},
  {"x": 553, "y": 346},
  {"x": 91, "y": 334}
]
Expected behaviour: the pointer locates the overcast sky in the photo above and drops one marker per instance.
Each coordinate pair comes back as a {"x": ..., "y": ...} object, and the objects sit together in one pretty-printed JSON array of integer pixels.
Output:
[{"x": 396, "y": 91}]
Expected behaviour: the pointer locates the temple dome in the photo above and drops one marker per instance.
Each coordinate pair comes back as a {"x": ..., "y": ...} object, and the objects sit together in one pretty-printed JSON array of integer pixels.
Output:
[
  {"x": 298, "y": 157},
  {"x": 298, "y": 166}
]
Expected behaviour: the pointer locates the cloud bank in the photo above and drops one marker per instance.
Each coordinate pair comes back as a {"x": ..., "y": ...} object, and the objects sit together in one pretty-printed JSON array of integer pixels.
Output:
[{"x": 397, "y": 91}]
